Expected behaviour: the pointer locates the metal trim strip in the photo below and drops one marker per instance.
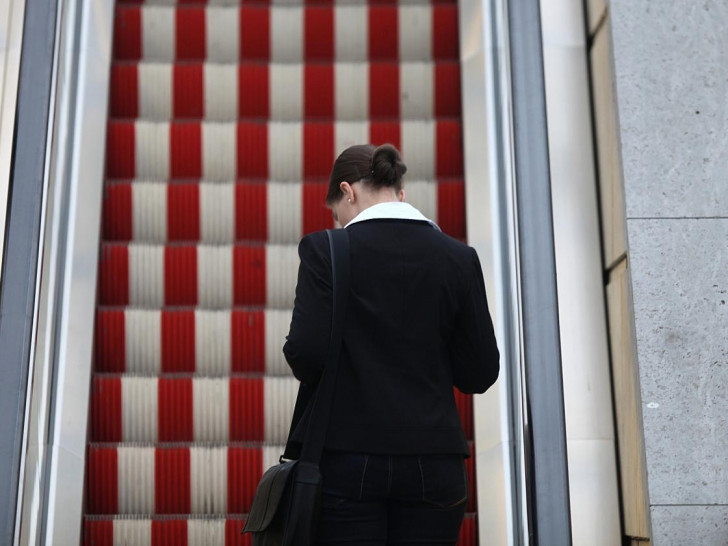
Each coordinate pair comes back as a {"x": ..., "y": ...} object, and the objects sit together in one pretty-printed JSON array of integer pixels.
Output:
[
  {"x": 52, "y": 506},
  {"x": 11, "y": 39},
  {"x": 23, "y": 229},
  {"x": 491, "y": 227}
]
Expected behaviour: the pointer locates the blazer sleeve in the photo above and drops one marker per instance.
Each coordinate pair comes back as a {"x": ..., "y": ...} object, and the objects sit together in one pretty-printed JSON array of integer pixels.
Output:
[
  {"x": 307, "y": 342},
  {"x": 473, "y": 350}
]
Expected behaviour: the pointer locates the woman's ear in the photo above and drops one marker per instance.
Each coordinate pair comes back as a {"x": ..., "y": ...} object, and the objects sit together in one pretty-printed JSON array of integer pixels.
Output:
[
  {"x": 400, "y": 196},
  {"x": 348, "y": 191}
]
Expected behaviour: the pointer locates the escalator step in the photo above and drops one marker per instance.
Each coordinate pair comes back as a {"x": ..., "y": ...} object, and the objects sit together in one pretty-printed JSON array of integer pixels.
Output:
[
  {"x": 284, "y": 151},
  {"x": 250, "y": 211},
  {"x": 287, "y": 32},
  {"x": 175, "y": 531},
  {"x": 353, "y": 91},
  {"x": 129, "y": 408}
]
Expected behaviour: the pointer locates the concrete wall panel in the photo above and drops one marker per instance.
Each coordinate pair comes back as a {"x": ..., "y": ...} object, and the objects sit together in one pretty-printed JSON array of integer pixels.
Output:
[
  {"x": 673, "y": 96},
  {"x": 681, "y": 315}
]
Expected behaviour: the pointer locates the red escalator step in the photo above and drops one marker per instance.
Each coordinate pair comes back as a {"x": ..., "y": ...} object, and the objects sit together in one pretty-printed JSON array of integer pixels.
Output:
[
  {"x": 183, "y": 212},
  {"x": 318, "y": 149},
  {"x": 445, "y": 31},
  {"x": 110, "y": 341},
  {"x": 170, "y": 532},
  {"x": 188, "y": 96},
  {"x": 315, "y": 214},
  {"x": 232, "y": 533},
  {"x": 384, "y": 94},
  {"x": 447, "y": 89},
  {"x": 252, "y": 150},
  {"x": 175, "y": 421},
  {"x": 247, "y": 340},
  {"x": 190, "y": 35},
  {"x": 245, "y": 467},
  {"x": 251, "y": 211},
  {"x": 120, "y": 150},
  {"x": 249, "y": 281},
  {"x": 180, "y": 275},
  {"x": 172, "y": 481},
  {"x": 253, "y": 90},
  {"x": 102, "y": 483},
  {"x": 385, "y": 132},
  {"x": 246, "y": 410},
  {"x": 470, "y": 468},
  {"x": 178, "y": 341},
  {"x": 98, "y": 532},
  {"x": 319, "y": 33},
  {"x": 451, "y": 208},
  {"x": 106, "y": 409},
  {"x": 383, "y": 32},
  {"x": 318, "y": 91},
  {"x": 464, "y": 403},
  {"x": 128, "y": 33},
  {"x": 449, "y": 144},
  {"x": 114, "y": 275},
  {"x": 469, "y": 532},
  {"x": 117, "y": 213},
  {"x": 255, "y": 33},
  {"x": 185, "y": 150},
  {"x": 124, "y": 89}
]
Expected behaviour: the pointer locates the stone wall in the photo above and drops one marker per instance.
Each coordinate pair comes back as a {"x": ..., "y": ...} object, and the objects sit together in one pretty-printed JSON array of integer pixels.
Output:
[{"x": 660, "y": 95}]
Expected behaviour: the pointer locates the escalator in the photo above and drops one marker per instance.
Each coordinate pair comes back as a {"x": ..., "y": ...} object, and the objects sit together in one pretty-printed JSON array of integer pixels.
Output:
[{"x": 224, "y": 121}]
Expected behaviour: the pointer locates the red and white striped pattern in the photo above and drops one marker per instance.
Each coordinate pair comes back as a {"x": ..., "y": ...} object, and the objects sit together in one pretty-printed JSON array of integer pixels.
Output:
[
  {"x": 286, "y": 91},
  {"x": 186, "y": 409},
  {"x": 214, "y": 212},
  {"x": 130, "y": 479},
  {"x": 210, "y": 342},
  {"x": 165, "y": 532},
  {"x": 131, "y": 408},
  {"x": 222, "y": 212},
  {"x": 224, "y": 122},
  {"x": 274, "y": 150},
  {"x": 287, "y": 33},
  {"x": 175, "y": 480},
  {"x": 209, "y": 276},
  {"x": 196, "y": 532}
]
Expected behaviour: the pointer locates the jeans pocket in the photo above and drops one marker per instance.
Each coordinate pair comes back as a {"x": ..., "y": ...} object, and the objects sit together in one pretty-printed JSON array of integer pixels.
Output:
[
  {"x": 444, "y": 480},
  {"x": 343, "y": 474}
]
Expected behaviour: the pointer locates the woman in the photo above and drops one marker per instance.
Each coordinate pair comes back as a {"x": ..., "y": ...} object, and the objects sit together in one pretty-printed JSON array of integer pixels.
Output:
[{"x": 417, "y": 323}]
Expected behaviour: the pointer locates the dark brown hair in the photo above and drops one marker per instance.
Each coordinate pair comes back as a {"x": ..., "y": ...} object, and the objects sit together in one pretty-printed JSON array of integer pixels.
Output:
[{"x": 379, "y": 166}]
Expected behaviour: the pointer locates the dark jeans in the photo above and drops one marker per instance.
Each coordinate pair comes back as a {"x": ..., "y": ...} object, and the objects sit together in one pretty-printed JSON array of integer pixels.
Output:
[{"x": 370, "y": 500}]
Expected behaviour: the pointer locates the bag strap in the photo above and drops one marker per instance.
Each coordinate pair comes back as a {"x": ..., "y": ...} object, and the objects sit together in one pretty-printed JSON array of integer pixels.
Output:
[{"x": 313, "y": 443}]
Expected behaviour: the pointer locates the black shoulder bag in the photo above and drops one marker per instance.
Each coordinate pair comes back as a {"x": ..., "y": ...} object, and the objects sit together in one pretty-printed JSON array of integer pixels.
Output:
[{"x": 286, "y": 505}]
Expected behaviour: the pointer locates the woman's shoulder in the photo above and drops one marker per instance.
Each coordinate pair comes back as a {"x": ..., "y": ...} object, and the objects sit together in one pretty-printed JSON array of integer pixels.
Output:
[
  {"x": 452, "y": 246},
  {"x": 314, "y": 248},
  {"x": 316, "y": 240}
]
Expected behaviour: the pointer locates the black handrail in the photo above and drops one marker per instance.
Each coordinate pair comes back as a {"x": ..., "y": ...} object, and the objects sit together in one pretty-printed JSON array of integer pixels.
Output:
[{"x": 545, "y": 434}]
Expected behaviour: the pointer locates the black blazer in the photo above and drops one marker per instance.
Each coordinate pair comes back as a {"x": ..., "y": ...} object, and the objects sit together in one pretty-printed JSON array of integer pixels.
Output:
[{"x": 417, "y": 323}]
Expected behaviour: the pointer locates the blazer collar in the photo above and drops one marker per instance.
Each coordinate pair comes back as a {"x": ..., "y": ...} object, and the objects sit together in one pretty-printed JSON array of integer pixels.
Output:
[{"x": 392, "y": 209}]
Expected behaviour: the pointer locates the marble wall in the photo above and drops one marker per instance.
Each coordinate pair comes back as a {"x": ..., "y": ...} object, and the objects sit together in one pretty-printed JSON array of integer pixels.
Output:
[{"x": 660, "y": 88}]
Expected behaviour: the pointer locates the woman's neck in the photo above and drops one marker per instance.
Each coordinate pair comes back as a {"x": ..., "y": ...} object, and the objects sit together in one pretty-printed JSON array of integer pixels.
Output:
[{"x": 369, "y": 199}]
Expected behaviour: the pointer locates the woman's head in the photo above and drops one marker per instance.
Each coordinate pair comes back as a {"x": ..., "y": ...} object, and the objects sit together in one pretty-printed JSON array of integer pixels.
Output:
[{"x": 363, "y": 175}]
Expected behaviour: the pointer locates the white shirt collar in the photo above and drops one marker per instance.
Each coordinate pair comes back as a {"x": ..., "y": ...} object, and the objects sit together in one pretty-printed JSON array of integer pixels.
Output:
[{"x": 392, "y": 209}]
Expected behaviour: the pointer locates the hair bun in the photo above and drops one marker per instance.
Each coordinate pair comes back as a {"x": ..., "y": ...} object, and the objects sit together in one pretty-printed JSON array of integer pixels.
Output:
[{"x": 387, "y": 165}]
